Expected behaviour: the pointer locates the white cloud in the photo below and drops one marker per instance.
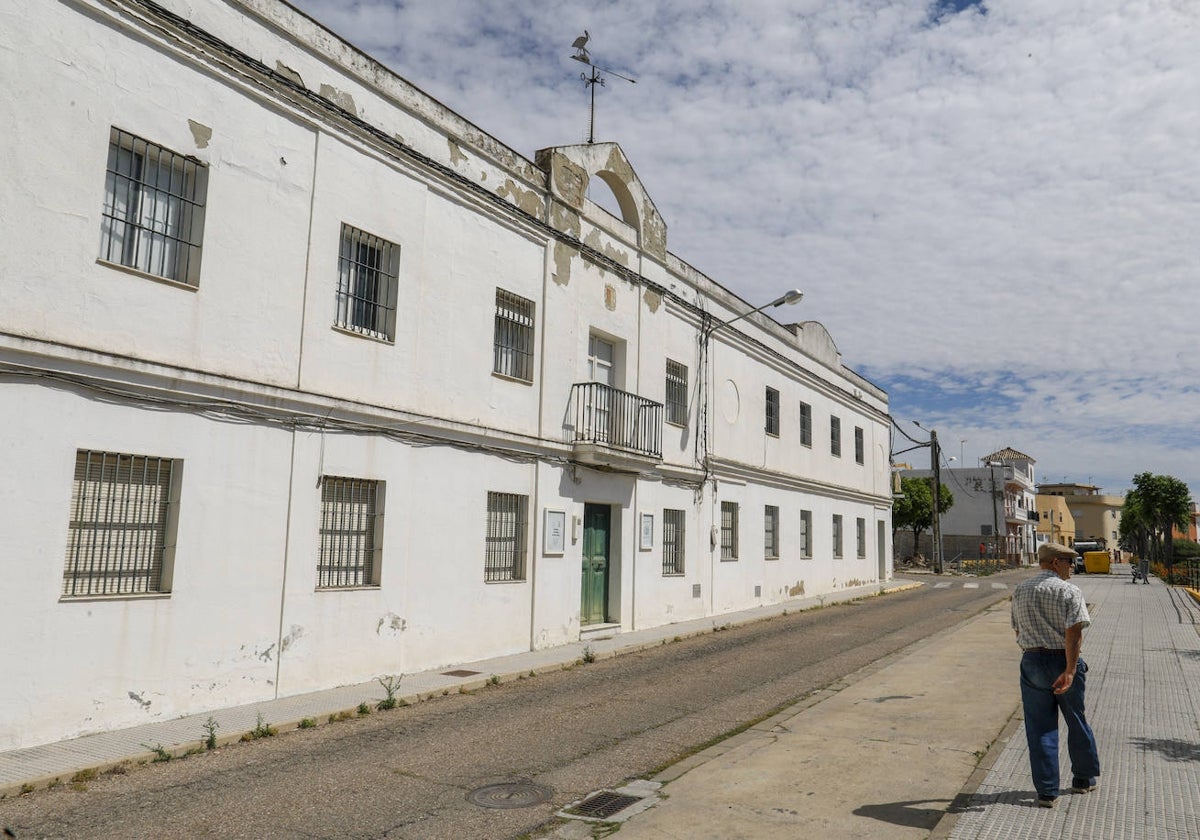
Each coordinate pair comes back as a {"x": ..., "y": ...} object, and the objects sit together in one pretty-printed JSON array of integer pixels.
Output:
[{"x": 1012, "y": 192}]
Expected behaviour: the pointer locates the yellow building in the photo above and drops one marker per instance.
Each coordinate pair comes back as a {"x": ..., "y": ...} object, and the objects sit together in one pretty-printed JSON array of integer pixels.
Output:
[
  {"x": 1056, "y": 523},
  {"x": 1097, "y": 516}
]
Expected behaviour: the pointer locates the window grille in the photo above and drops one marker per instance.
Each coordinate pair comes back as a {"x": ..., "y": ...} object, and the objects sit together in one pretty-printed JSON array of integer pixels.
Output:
[
  {"x": 837, "y": 535},
  {"x": 859, "y": 453},
  {"x": 368, "y": 281},
  {"x": 351, "y": 533},
  {"x": 771, "y": 532},
  {"x": 772, "y": 412},
  {"x": 513, "y": 340},
  {"x": 672, "y": 542},
  {"x": 805, "y": 424},
  {"x": 121, "y": 508},
  {"x": 835, "y": 436},
  {"x": 861, "y": 535},
  {"x": 677, "y": 393},
  {"x": 806, "y": 533},
  {"x": 153, "y": 216},
  {"x": 729, "y": 531},
  {"x": 505, "y": 542}
]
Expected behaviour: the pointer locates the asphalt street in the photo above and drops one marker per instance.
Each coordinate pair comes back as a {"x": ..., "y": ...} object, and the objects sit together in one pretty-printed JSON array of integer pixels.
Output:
[{"x": 406, "y": 773}]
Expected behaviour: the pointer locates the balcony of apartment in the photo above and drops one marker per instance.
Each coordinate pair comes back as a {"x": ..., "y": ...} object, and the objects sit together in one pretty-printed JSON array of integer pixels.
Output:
[{"x": 614, "y": 428}]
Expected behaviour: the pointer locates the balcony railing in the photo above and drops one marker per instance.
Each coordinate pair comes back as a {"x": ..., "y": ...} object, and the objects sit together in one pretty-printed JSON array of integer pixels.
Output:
[{"x": 615, "y": 419}]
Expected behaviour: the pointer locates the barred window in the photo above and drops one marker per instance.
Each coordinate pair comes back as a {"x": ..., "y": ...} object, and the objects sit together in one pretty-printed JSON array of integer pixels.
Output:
[
  {"x": 835, "y": 436},
  {"x": 859, "y": 453},
  {"x": 771, "y": 532},
  {"x": 368, "y": 281},
  {"x": 677, "y": 393},
  {"x": 513, "y": 341},
  {"x": 351, "y": 532},
  {"x": 672, "y": 542},
  {"x": 153, "y": 216},
  {"x": 806, "y": 533},
  {"x": 837, "y": 535},
  {"x": 121, "y": 528},
  {"x": 729, "y": 531},
  {"x": 805, "y": 424},
  {"x": 505, "y": 542},
  {"x": 861, "y": 536},
  {"x": 772, "y": 412}
]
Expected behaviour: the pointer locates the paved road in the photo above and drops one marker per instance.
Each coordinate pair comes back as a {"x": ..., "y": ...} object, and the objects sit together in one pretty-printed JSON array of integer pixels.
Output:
[{"x": 406, "y": 773}]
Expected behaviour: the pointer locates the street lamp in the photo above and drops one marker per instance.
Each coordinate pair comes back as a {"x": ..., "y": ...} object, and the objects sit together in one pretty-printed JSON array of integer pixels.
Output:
[
  {"x": 962, "y": 442},
  {"x": 790, "y": 297}
]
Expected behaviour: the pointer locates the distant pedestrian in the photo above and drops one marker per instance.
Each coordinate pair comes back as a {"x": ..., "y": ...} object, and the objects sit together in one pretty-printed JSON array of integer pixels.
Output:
[
  {"x": 1048, "y": 615},
  {"x": 982, "y": 549}
]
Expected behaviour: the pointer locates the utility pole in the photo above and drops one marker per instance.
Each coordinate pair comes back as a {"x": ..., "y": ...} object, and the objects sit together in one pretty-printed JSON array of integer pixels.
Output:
[{"x": 935, "y": 456}]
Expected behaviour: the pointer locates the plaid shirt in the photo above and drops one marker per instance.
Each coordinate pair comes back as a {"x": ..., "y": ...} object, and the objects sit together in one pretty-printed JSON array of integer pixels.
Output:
[{"x": 1043, "y": 607}]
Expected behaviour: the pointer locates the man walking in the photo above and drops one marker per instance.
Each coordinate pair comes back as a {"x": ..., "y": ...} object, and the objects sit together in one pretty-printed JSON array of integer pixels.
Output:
[{"x": 1048, "y": 615}]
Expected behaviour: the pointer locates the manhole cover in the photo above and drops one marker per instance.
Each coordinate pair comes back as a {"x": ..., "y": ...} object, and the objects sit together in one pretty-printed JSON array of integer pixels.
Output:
[
  {"x": 510, "y": 795},
  {"x": 603, "y": 805}
]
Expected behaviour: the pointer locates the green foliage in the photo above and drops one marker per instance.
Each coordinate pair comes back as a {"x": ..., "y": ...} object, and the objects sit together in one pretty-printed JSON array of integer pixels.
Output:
[
  {"x": 914, "y": 509},
  {"x": 1153, "y": 509},
  {"x": 210, "y": 733},
  {"x": 390, "y": 685},
  {"x": 307, "y": 723},
  {"x": 1186, "y": 551}
]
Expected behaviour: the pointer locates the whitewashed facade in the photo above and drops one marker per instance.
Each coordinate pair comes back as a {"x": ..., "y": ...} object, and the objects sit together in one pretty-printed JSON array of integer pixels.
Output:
[{"x": 347, "y": 336}]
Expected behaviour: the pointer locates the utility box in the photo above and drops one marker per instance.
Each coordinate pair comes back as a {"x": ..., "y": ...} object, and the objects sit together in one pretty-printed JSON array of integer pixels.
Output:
[{"x": 1097, "y": 562}]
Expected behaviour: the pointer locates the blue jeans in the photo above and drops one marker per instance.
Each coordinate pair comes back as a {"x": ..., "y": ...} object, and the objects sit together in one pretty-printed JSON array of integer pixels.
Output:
[{"x": 1042, "y": 705}]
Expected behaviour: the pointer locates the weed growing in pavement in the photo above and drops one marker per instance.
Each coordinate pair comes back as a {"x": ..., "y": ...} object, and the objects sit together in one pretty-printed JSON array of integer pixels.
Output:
[
  {"x": 160, "y": 754},
  {"x": 363, "y": 710},
  {"x": 493, "y": 680},
  {"x": 589, "y": 655},
  {"x": 342, "y": 715},
  {"x": 306, "y": 723},
  {"x": 210, "y": 733},
  {"x": 260, "y": 730},
  {"x": 390, "y": 686}
]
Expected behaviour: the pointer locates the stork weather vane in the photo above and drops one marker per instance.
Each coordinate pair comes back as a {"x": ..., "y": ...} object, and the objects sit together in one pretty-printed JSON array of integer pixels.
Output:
[{"x": 581, "y": 54}]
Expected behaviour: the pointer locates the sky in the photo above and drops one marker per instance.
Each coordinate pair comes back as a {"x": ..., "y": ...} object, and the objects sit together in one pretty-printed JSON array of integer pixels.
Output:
[{"x": 992, "y": 205}]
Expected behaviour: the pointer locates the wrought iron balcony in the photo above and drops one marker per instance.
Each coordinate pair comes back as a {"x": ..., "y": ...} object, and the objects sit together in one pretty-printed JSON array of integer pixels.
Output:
[{"x": 615, "y": 428}]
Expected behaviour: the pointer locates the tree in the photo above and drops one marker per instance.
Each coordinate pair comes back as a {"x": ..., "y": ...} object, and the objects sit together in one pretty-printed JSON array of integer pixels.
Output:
[
  {"x": 1155, "y": 507},
  {"x": 914, "y": 509}
]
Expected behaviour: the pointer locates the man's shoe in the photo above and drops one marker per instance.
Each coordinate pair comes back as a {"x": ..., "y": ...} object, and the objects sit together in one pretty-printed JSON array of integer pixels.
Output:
[
  {"x": 1046, "y": 801},
  {"x": 1083, "y": 785}
]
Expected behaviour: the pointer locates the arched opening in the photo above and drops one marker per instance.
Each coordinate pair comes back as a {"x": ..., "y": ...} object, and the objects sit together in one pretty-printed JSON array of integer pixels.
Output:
[{"x": 607, "y": 190}]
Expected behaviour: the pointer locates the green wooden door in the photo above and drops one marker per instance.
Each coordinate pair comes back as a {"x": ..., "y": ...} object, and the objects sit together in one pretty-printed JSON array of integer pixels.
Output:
[{"x": 594, "y": 601}]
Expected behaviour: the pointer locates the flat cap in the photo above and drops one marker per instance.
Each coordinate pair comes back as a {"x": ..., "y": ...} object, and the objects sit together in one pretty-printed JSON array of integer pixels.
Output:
[{"x": 1051, "y": 550}]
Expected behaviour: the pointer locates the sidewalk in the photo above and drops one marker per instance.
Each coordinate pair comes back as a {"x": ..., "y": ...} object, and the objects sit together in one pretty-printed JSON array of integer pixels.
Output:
[
  {"x": 894, "y": 754},
  {"x": 34, "y": 767}
]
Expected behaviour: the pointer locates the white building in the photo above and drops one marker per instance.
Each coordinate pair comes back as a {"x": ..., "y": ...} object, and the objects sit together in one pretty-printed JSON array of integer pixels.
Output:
[{"x": 304, "y": 379}]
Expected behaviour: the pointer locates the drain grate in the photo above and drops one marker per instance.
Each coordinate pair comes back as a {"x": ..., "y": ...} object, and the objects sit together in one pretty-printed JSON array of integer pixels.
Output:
[
  {"x": 460, "y": 673},
  {"x": 602, "y": 805},
  {"x": 510, "y": 795}
]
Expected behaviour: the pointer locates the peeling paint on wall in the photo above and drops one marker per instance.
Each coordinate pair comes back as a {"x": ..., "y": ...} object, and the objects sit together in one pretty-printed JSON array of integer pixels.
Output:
[
  {"x": 610, "y": 297},
  {"x": 200, "y": 133},
  {"x": 565, "y": 219},
  {"x": 284, "y": 70},
  {"x": 653, "y": 300},
  {"x": 340, "y": 98},
  {"x": 391, "y": 624},
  {"x": 456, "y": 152},
  {"x": 527, "y": 200},
  {"x": 595, "y": 241},
  {"x": 141, "y": 701},
  {"x": 563, "y": 254},
  {"x": 294, "y": 633}
]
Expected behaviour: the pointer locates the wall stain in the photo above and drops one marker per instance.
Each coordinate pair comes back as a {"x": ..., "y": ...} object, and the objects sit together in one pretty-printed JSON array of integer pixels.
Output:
[
  {"x": 456, "y": 152},
  {"x": 610, "y": 297},
  {"x": 141, "y": 701},
  {"x": 798, "y": 589},
  {"x": 391, "y": 624},
  {"x": 284, "y": 70},
  {"x": 653, "y": 300},
  {"x": 294, "y": 633}
]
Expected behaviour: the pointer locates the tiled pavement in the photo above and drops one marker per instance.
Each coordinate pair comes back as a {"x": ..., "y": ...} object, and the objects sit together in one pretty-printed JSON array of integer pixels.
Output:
[{"x": 1143, "y": 693}]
